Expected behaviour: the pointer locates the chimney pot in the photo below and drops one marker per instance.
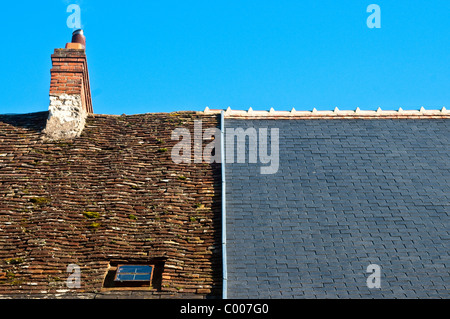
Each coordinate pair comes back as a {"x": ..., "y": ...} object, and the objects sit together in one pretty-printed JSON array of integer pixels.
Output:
[{"x": 78, "y": 37}]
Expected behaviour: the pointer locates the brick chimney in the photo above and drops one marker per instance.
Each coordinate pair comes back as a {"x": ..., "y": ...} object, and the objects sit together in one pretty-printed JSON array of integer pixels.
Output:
[{"x": 70, "y": 93}]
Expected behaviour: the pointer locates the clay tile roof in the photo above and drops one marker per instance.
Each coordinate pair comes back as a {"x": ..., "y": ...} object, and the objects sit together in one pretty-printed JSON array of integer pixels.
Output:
[{"x": 113, "y": 194}]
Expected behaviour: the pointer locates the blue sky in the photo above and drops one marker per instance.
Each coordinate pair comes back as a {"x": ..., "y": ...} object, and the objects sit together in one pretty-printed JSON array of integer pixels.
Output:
[{"x": 164, "y": 56}]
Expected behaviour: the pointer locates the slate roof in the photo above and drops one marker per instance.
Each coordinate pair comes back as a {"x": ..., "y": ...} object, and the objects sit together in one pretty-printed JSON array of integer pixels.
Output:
[
  {"x": 348, "y": 193},
  {"x": 147, "y": 208}
]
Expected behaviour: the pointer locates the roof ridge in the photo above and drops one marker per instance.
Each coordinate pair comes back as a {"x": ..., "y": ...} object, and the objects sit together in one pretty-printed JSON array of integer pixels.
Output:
[{"x": 336, "y": 113}]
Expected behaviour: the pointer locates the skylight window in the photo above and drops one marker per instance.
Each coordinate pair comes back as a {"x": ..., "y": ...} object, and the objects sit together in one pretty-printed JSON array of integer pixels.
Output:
[
  {"x": 134, "y": 274},
  {"x": 126, "y": 273}
]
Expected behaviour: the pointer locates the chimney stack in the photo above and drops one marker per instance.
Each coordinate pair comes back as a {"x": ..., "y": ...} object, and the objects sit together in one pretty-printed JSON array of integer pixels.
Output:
[{"x": 70, "y": 93}]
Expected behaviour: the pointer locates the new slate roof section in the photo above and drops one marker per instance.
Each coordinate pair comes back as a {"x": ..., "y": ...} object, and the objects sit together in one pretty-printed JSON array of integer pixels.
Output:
[
  {"x": 112, "y": 195},
  {"x": 348, "y": 193}
]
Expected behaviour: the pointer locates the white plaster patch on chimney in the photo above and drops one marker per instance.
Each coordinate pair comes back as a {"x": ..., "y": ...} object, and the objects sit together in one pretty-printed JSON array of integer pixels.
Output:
[{"x": 66, "y": 118}]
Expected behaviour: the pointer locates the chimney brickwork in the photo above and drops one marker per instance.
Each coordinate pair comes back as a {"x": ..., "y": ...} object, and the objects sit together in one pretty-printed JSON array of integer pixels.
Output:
[{"x": 70, "y": 94}]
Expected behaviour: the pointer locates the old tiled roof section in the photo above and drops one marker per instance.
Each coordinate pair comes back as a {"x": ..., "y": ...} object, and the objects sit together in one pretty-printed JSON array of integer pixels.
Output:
[{"x": 120, "y": 167}]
